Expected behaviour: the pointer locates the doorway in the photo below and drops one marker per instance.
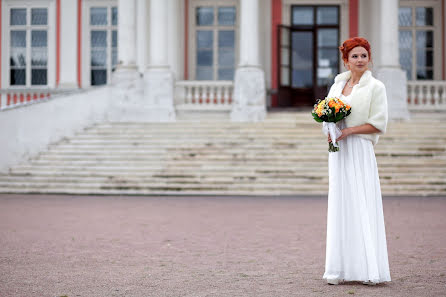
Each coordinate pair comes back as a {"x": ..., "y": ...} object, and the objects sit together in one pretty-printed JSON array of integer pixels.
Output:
[{"x": 309, "y": 55}]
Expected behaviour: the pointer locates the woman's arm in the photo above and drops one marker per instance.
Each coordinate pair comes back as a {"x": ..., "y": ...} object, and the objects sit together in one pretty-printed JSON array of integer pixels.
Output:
[{"x": 362, "y": 129}]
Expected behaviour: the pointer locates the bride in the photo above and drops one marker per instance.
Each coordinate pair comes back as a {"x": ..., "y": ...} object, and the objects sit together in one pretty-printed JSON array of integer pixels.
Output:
[{"x": 356, "y": 238}]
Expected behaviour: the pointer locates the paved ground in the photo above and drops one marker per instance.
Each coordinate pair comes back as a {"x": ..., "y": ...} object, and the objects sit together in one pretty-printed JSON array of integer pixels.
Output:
[{"x": 203, "y": 246}]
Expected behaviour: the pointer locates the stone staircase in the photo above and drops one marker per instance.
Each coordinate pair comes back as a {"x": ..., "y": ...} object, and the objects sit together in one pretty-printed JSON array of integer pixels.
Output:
[{"x": 285, "y": 155}]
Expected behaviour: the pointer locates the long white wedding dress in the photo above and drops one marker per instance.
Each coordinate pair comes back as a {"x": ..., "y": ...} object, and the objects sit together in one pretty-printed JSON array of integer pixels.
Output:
[{"x": 356, "y": 238}]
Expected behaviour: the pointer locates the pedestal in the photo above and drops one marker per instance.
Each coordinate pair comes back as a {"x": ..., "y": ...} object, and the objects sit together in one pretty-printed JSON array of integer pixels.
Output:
[
  {"x": 395, "y": 81},
  {"x": 249, "y": 95},
  {"x": 159, "y": 95},
  {"x": 127, "y": 95}
]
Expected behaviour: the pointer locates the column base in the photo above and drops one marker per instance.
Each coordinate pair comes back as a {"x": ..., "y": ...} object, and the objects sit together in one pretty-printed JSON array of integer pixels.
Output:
[
  {"x": 126, "y": 96},
  {"x": 125, "y": 74},
  {"x": 395, "y": 81},
  {"x": 249, "y": 95},
  {"x": 159, "y": 94}
]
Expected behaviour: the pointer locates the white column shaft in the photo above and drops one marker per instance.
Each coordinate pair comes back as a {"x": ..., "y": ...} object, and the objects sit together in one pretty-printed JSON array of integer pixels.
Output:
[
  {"x": 389, "y": 48},
  {"x": 249, "y": 33},
  {"x": 175, "y": 46},
  {"x": 127, "y": 32},
  {"x": 141, "y": 32},
  {"x": 68, "y": 44},
  {"x": 158, "y": 33}
]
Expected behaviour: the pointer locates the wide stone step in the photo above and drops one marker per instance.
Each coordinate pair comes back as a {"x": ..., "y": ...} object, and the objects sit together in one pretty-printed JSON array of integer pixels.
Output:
[
  {"x": 130, "y": 184},
  {"x": 290, "y": 148},
  {"x": 219, "y": 155},
  {"x": 240, "y": 179},
  {"x": 273, "y": 130},
  {"x": 253, "y": 141},
  {"x": 181, "y": 190},
  {"x": 285, "y": 155},
  {"x": 50, "y": 174}
]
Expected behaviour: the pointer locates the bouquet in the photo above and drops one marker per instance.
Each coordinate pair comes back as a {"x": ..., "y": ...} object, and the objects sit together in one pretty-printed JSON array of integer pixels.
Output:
[{"x": 330, "y": 111}]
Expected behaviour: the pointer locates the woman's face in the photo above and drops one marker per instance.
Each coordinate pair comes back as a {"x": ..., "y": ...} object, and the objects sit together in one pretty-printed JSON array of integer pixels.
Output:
[{"x": 358, "y": 59}]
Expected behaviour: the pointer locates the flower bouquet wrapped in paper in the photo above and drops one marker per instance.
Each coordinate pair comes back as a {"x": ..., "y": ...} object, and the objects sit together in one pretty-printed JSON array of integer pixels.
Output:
[{"x": 330, "y": 111}]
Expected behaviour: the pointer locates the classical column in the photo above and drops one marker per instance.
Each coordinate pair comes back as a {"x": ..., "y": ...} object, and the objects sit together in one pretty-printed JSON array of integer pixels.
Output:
[
  {"x": 127, "y": 34},
  {"x": 389, "y": 70},
  {"x": 249, "y": 85},
  {"x": 141, "y": 33},
  {"x": 127, "y": 103},
  {"x": 126, "y": 70},
  {"x": 158, "y": 77},
  {"x": 68, "y": 46}
]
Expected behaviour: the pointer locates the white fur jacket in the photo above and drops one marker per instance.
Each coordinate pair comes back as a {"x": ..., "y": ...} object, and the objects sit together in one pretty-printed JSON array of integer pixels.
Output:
[{"x": 368, "y": 101}]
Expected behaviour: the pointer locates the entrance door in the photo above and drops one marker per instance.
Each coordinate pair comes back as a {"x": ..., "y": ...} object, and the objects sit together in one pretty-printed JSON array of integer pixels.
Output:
[{"x": 309, "y": 57}]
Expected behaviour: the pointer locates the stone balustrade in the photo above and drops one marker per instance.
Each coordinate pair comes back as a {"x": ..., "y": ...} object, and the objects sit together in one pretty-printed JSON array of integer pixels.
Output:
[
  {"x": 203, "y": 95},
  {"x": 426, "y": 95}
]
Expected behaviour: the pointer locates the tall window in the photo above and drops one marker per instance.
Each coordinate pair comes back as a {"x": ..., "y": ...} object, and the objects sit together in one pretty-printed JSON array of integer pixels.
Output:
[
  {"x": 103, "y": 43},
  {"x": 28, "y": 60},
  {"x": 215, "y": 41},
  {"x": 417, "y": 41}
]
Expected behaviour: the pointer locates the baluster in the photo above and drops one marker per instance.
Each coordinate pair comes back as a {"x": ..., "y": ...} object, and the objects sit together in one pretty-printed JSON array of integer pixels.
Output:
[
  {"x": 419, "y": 95},
  {"x": 436, "y": 96},
  {"x": 428, "y": 96},
  {"x": 188, "y": 98},
  {"x": 412, "y": 95},
  {"x": 218, "y": 93},
  {"x": 206, "y": 94},
  {"x": 226, "y": 96},
  {"x": 212, "y": 95},
  {"x": 203, "y": 94},
  {"x": 443, "y": 96},
  {"x": 197, "y": 95},
  {"x": 409, "y": 94}
]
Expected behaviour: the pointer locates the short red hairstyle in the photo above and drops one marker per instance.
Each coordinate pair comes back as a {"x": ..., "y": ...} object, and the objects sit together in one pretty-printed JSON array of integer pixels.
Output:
[{"x": 351, "y": 43}]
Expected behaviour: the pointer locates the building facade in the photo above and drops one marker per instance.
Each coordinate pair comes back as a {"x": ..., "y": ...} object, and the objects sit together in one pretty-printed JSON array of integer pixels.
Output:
[{"x": 239, "y": 58}]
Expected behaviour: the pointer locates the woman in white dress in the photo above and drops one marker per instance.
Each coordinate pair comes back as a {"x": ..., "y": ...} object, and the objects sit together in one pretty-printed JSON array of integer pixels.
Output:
[{"x": 356, "y": 238}]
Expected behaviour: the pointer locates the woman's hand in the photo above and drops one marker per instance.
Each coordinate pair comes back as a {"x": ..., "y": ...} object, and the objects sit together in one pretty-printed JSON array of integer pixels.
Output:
[
  {"x": 363, "y": 129},
  {"x": 345, "y": 132}
]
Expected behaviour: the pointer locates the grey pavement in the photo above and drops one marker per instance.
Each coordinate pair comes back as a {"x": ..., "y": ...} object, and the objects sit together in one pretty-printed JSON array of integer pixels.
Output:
[{"x": 54, "y": 245}]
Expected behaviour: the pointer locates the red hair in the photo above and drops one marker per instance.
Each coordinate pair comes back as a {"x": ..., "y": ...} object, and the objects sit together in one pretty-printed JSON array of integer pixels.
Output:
[{"x": 351, "y": 43}]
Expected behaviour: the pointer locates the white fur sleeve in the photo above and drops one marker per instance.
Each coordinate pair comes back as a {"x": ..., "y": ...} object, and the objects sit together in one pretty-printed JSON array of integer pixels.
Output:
[{"x": 378, "y": 114}]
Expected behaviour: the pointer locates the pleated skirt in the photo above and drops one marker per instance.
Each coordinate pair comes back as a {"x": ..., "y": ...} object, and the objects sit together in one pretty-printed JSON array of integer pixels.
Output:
[{"x": 356, "y": 248}]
